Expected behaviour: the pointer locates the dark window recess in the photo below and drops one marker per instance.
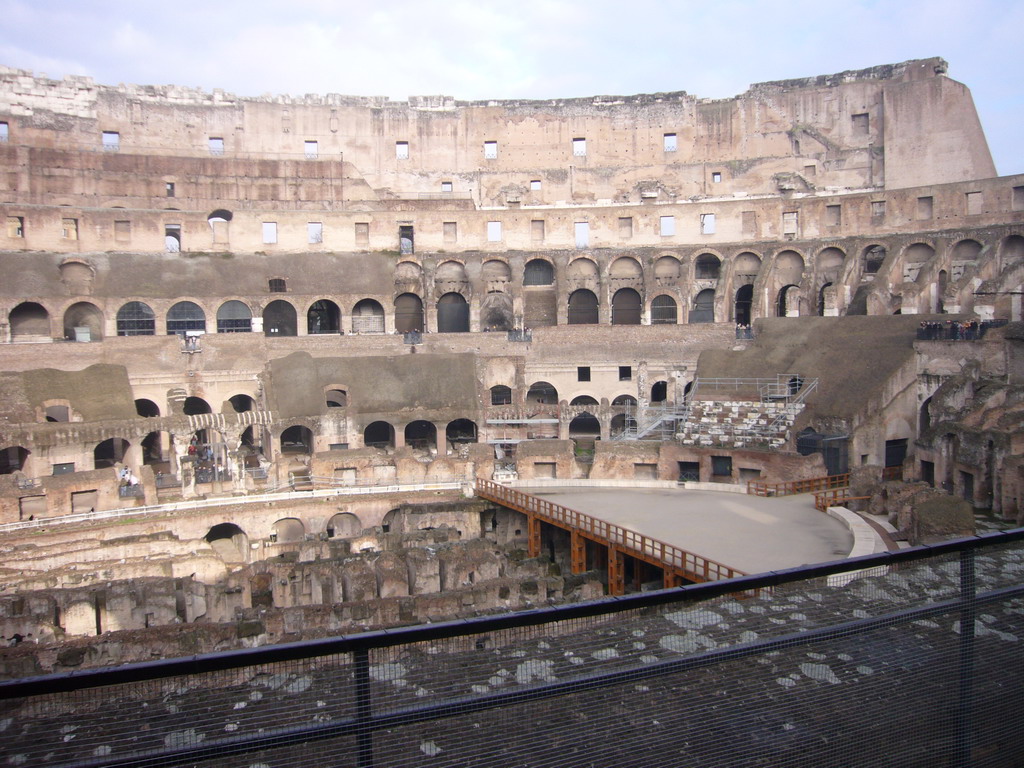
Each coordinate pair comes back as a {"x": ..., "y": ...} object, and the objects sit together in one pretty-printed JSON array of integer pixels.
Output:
[
  {"x": 583, "y": 373},
  {"x": 721, "y": 466},
  {"x": 278, "y": 285},
  {"x": 625, "y": 373},
  {"x": 689, "y": 471},
  {"x": 405, "y": 239}
]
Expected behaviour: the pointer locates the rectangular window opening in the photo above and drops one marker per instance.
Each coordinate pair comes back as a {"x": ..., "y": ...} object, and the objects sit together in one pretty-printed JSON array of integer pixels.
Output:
[
  {"x": 707, "y": 223},
  {"x": 216, "y": 144},
  {"x": 878, "y": 209},
  {"x": 721, "y": 466},
  {"x": 670, "y": 143},
  {"x": 625, "y": 373},
  {"x": 1017, "y": 202},
  {"x": 490, "y": 150},
  {"x": 451, "y": 232},
  {"x": 5, "y": 133},
  {"x": 69, "y": 229},
  {"x": 790, "y": 223},
  {"x": 314, "y": 232},
  {"x": 537, "y": 230},
  {"x": 172, "y": 238},
  {"x": 15, "y": 226},
  {"x": 716, "y": 177},
  {"x": 446, "y": 187},
  {"x": 583, "y": 373},
  {"x": 579, "y": 147},
  {"x": 122, "y": 231},
  {"x": 169, "y": 188},
  {"x": 362, "y": 232},
  {"x": 925, "y": 207},
  {"x": 401, "y": 150},
  {"x": 494, "y": 231},
  {"x": 974, "y": 201},
  {"x": 833, "y": 215},
  {"x": 668, "y": 226},
  {"x": 582, "y": 229},
  {"x": 406, "y": 239},
  {"x": 535, "y": 185},
  {"x": 625, "y": 227},
  {"x": 269, "y": 232},
  {"x": 311, "y": 149},
  {"x": 111, "y": 141},
  {"x": 861, "y": 124}
]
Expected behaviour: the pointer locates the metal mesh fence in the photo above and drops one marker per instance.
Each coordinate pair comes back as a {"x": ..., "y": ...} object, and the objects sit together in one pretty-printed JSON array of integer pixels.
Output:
[{"x": 906, "y": 659}]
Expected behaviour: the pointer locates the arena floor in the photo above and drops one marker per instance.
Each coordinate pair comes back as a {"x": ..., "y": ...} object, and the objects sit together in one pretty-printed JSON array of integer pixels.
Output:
[{"x": 749, "y": 533}]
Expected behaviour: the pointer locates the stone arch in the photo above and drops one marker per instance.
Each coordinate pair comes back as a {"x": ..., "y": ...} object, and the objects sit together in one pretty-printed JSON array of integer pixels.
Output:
[
  {"x": 664, "y": 310},
  {"x": 659, "y": 392},
  {"x": 622, "y": 422},
  {"x": 29, "y": 320},
  {"x": 583, "y": 307},
  {"x": 542, "y": 392},
  {"x": 242, "y": 403},
  {"x": 496, "y": 312},
  {"x": 323, "y": 316},
  {"x": 280, "y": 319},
  {"x": 743, "y": 304},
  {"x": 787, "y": 304},
  {"x": 408, "y": 313},
  {"x": 495, "y": 274},
  {"x": 234, "y": 317},
  {"x": 827, "y": 301},
  {"x": 408, "y": 272},
  {"x": 831, "y": 259},
  {"x": 336, "y": 398},
  {"x": 57, "y": 411},
  {"x": 707, "y": 266},
  {"x": 136, "y": 318},
  {"x": 153, "y": 447},
  {"x": 789, "y": 266},
  {"x": 287, "y": 530},
  {"x": 219, "y": 222},
  {"x": 83, "y": 321},
  {"x": 703, "y": 310},
  {"x": 344, "y": 525},
  {"x": 915, "y": 257},
  {"x": 461, "y": 431},
  {"x": 585, "y": 425},
  {"x": 186, "y": 316},
  {"x": 966, "y": 250},
  {"x": 584, "y": 400},
  {"x": 109, "y": 452},
  {"x": 667, "y": 270},
  {"x": 12, "y": 459},
  {"x": 501, "y": 395},
  {"x": 538, "y": 272},
  {"x": 194, "y": 406},
  {"x": 626, "y": 268},
  {"x": 582, "y": 269},
  {"x": 77, "y": 275},
  {"x": 229, "y": 542},
  {"x": 452, "y": 313},
  {"x": 420, "y": 434},
  {"x": 297, "y": 440},
  {"x": 746, "y": 265},
  {"x": 147, "y": 409},
  {"x": 379, "y": 434},
  {"x": 873, "y": 257},
  {"x": 624, "y": 400},
  {"x": 368, "y": 317},
  {"x": 626, "y": 307},
  {"x": 450, "y": 271},
  {"x": 1011, "y": 250}
]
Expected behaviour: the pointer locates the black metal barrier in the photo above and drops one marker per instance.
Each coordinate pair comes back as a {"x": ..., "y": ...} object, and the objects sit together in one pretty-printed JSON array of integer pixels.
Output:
[{"x": 903, "y": 658}]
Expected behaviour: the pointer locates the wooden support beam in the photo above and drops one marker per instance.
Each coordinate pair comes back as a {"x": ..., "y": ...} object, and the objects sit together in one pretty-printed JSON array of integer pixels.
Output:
[
  {"x": 616, "y": 571},
  {"x": 533, "y": 535},
  {"x": 577, "y": 552}
]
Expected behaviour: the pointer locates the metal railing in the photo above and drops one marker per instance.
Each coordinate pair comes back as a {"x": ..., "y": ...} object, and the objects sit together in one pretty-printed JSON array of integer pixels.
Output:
[
  {"x": 636, "y": 544},
  {"x": 922, "y": 640},
  {"x": 790, "y": 487}
]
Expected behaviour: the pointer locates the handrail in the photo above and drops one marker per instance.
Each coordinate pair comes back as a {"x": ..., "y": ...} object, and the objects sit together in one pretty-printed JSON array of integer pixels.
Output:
[
  {"x": 835, "y": 497},
  {"x": 695, "y": 567},
  {"x": 791, "y": 487}
]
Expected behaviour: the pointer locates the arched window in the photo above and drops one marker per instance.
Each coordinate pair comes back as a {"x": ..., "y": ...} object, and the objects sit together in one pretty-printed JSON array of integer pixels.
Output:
[
  {"x": 408, "y": 313},
  {"x": 626, "y": 307},
  {"x": 368, "y": 317},
  {"x": 582, "y": 307},
  {"x": 83, "y": 322},
  {"x": 501, "y": 395},
  {"x": 379, "y": 434},
  {"x": 196, "y": 405},
  {"x": 788, "y": 303},
  {"x": 703, "y": 307},
  {"x": 420, "y": 434},
  {"x": 664, "y": 311},
  {"x": 543, "y": 393},
  {"x": 336, "y": 398},
  {"x": 242, "y": 403},
  {"x": 297, "y": 439},
  {"x": 29, "y": 319},
  {"x": 147, "y": 409},
  {"x": 323, "y": 317},
  {"x": 280, "y": 319},
  {"x": 185, "y": 316},
  {"x": 234, "y": 317},
  {"x": 136, "y": 319},
  {"x": 109, "y": 452},
  {"x": 744, "y": 301},
  {"x": 452, "y": 314},
  {"x": 461, "y": 431},
  {"x": 707, "y": 267},
  {"x": 538, "y": 272}
]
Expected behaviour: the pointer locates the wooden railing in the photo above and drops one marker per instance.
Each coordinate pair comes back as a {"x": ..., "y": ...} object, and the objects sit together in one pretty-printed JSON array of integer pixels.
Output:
[
  {"x": 668, "y": 556},
  {"x": 836, "y": 497},
  {"x": 810, "y": 485}
]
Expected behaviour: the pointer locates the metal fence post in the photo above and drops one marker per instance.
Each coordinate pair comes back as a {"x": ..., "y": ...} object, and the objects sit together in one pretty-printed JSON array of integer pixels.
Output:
[
  {"x": 364, "y": 709},
  {"x": 965, "y": 704}
]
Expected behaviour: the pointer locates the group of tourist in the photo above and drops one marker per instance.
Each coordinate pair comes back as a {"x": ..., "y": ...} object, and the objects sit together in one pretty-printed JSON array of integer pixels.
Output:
[{"x": 952, "y": 330}]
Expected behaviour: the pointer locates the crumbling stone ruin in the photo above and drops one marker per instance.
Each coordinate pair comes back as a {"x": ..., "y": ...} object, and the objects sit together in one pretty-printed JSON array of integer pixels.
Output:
[{"x": 209, "y": 296}]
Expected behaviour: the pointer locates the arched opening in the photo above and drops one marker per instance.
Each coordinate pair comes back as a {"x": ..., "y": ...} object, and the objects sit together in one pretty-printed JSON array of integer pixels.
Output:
[
  {"x": 229, "y": 542},
  {"x": 280, "y": 319},
  {"x": 915, "y": 257},
  {"x": 940, "y": 292},
  {"x": 496, "y": 312},
  {"x": 624, "y": 400},
  {"x": 452, "y": 313},
  {"x": 153, "y": 447},
  {"x": 194, "y": 406},
  {"x": 582, "y": 307},
  {"x": 790, "y": 265},
  {"x": 368, "y": 317},
  {"x": 585, "y": 425},
  {"x": 746, "y": 266},
  {"x": 703, "y": 307},
  {"x": 501, "y": 395},
  {"x": 667, "y": 270},
  {"x": 788, "y": 302},
  {"x": 622, "y": 422},
  {"x": 664, "y": 311},
  {"x": 659, "y": 392},
  {"x": 336, "y": 398},
  {"x": 925, "y": 418},
  {"x": 408, "y": 313},
  {"x": 495, "y": 274},
  {"x": 323, "y": 316},
  {"x": 147, "y": 409},
  {"x": 83, "y": 322},
  {"x": 626, "y": 306},
  {"x": 218, "y": 221},
  {"x": 874, "y": 257},
  {"x": 460, "y": 431},
  {"x": 582, "y": 271},
  {"x": 136, "y": 319},
  {"x": 297, "y": 440},
  {"x": 583, "y": 400},
  {"x": 451, "y": 273},
  {"x": 626, "y": 268},
  {"x": 830, "y": 259},
  {"x": 12, "y": 459},
  {"x": 420, "y": 434},
  {"x": 186, "y": 316},
  {"x": 344, "y": 525},
  {"x": 29, "y": 319},
  {"x": 242, "y": 403},
  {"x": 744, "y": 302},
  {"x": 234, "y": 317},
  {"x": 538, "y": 272},
  {"x": 58, "y": 413},
  {"x": 707, "y": 267},
  {"x": 110, "y": 452},
  {"x": 408, "y": 273},
  {"x": 287, "y": 530},
  {"x": 966, "y": 251},
  {"x": 392, "y": 521},
  {"x": 379, "y": 434},
  {"x": 542, "y": 392},
  {"x": 826, "y": 300}
]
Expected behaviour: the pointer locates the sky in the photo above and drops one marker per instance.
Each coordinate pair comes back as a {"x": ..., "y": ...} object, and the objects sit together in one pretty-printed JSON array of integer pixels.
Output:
[{"x": 483, "y": 49}]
